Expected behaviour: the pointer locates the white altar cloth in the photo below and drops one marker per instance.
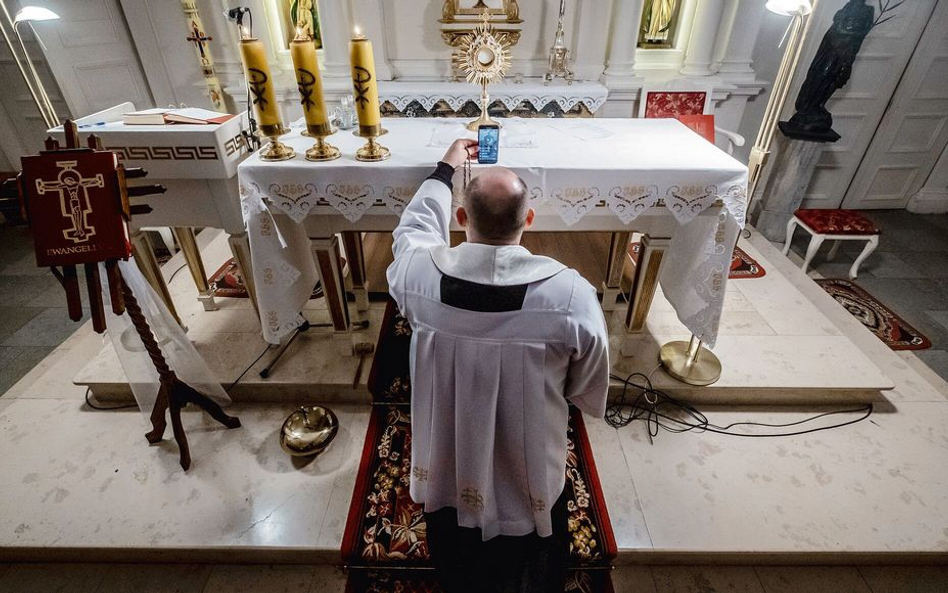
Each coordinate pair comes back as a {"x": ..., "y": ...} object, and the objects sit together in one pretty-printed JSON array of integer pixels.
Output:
[{"x": 584, "y": 175}]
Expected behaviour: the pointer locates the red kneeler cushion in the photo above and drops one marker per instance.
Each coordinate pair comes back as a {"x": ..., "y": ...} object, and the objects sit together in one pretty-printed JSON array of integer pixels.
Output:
[{"x": 837, "y": 222}]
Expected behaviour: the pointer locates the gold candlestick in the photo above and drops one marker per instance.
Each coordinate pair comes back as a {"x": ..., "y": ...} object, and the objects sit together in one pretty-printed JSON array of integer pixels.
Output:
[
  {"x": 322, "y": 150},
  {"x": 310, "y": 85},
  {"x": 263, "y": 99},
  {"x": 366, "y": 92},
  {"x": 275, "y": 150},
  {"x": 372, "y": 151}
]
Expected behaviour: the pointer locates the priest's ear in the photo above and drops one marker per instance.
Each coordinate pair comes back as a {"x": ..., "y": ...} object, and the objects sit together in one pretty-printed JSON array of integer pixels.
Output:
[
  {"x": 461, "y": 215},
  {"x": 529, "y": 221}
]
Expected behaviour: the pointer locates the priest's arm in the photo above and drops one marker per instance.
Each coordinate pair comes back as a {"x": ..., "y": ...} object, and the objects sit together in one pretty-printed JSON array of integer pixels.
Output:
[
  {"x": 587, "y": 381},
  {"x": 426, "y": 221}
]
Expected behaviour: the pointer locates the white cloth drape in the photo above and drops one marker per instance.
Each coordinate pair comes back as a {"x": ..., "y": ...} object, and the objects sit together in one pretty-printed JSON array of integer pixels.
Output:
[
  {"x": 178, "y": 351},
  {"x": 597, "y": 175}
]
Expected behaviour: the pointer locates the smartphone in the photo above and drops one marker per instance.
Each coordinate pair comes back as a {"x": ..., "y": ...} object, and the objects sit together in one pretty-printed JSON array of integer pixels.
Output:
[{"x": 488, "y": 144}]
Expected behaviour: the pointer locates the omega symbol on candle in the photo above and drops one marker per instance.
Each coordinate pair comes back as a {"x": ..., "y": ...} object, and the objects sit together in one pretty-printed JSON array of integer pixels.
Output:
[
  {"x": 362, "y": 76},
  {"x": 305, "y": 83},
  {"x": 258, "y": 86}
]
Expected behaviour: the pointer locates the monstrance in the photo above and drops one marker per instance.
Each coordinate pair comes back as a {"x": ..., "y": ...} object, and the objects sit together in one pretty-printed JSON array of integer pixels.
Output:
[{"x": 484, "y": 57}]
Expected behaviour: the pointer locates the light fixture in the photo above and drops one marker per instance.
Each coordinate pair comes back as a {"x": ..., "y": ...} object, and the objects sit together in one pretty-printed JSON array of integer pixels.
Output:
[
  {"x": 789, "y": 7},
  {"x": 30, "y": 14},
  {"x": 34, "y": 13},
  {"x": 798, "y": 10}
]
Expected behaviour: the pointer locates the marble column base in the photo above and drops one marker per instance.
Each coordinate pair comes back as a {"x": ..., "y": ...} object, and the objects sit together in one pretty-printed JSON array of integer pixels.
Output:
[{"x": 791, "y": 165}]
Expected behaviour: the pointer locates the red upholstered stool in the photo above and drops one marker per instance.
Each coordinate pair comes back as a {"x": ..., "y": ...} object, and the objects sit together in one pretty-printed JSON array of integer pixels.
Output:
[{"x": 838, "y": 225}]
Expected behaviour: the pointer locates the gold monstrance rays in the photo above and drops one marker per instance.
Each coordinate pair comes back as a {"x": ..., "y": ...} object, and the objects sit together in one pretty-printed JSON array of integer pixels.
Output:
[{"x": 484, "y": 57}]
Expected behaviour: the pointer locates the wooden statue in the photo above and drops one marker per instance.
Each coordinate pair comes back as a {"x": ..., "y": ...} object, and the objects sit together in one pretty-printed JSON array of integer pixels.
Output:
[{"x": 829, "y": 71}]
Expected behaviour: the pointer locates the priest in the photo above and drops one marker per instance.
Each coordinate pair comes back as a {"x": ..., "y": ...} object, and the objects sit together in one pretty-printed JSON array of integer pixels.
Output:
[{"x": 503, "y": 341}]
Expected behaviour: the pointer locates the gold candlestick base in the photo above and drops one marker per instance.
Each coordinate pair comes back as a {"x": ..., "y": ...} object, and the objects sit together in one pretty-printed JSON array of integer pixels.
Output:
[
  {"x": 372, "y": 151},
  {"x": 275, "y": 150},
  {"x": 322, "y": 150},
  {"x": 690, "y": 363}
]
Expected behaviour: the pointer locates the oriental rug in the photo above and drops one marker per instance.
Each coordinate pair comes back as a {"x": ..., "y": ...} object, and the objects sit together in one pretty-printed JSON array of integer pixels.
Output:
[
  {"x": 384, "y": 543},
  {"x": 879, "y": 319},
  {"x": 227, "y": 282},
  {"x": 742, "y": 265}
]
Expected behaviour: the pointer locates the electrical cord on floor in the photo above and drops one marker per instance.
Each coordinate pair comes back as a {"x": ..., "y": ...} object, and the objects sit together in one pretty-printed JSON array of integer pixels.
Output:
[
  {"x": 175, "y": 273},
  {"x": 640, "y": 400},
  {"x": 105, "y": 408},
  {"x": 256, "y": 360}
]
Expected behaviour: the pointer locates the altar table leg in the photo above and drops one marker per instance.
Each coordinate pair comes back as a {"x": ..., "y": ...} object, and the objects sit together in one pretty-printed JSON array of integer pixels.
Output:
[
  {"x": 352, "y": 241},
  {"x": 644, "y": 283},
  {"x": 192, "y": 257},
  {"x": 618, "y": 254},
  {"x": 329, "y": 265},
  {"x": 240, "y": 248},
  {"x": 144, "y": 252}
]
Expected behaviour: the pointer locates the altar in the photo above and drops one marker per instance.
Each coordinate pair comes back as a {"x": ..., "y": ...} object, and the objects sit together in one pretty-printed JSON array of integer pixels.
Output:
[{"x": 656, "y": 177}]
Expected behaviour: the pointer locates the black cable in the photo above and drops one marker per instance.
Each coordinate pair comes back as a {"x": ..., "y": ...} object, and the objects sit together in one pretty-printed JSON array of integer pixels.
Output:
[
  {"x": 256, "y": 360},
  {"x": 175, "y": 273},
  {"x": 104, "y": 408},
  {"x": 661, "y": 411}
]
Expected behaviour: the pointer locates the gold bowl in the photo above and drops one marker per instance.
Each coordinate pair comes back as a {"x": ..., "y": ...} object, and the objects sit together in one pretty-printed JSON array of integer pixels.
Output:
[{"x": 308, "y": 431}]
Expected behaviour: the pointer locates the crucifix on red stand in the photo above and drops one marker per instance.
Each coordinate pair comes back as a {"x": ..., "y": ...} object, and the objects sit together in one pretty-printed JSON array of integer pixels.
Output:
[{"x": 77, "y": 202}]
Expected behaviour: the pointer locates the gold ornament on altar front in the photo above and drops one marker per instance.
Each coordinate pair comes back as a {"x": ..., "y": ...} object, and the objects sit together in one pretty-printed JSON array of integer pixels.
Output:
[{"x": 484, "y": 58}]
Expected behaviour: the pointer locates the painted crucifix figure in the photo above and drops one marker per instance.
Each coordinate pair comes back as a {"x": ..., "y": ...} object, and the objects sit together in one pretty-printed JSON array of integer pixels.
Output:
[
  {"x": 203, "y": 52},
  {"x": 76, "y": 208}
]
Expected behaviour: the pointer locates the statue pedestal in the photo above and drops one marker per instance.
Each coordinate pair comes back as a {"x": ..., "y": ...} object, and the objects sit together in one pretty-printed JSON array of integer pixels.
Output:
[{"x": 789, "y": 175}]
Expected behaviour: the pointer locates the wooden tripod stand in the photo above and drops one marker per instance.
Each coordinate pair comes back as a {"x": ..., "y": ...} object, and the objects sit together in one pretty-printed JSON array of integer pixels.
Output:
[{"x": 173, "y": 393}]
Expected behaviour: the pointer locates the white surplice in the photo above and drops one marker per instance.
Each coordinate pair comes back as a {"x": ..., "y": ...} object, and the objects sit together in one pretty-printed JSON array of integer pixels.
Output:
[{"x": 490, "y": 390}]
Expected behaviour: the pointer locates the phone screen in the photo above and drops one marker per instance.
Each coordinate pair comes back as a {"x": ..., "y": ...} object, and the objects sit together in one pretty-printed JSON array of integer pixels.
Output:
[{"x": 488, "y": 144}]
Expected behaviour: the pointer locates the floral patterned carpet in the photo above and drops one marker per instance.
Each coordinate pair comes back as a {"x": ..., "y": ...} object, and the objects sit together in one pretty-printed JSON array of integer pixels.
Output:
[
  {"x": 879, "y": 319},
  {"x": 385, "y": 545},
  {"x": 227, "y": 282},
  {"x": 742, "y": 265}
]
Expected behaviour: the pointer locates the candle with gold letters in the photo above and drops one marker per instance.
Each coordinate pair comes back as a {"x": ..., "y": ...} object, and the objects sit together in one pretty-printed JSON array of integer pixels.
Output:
[
  {"x": 308, "y": 80},
  {"x": 364, "y": 83},
  {"x": 257, "y": 71}
]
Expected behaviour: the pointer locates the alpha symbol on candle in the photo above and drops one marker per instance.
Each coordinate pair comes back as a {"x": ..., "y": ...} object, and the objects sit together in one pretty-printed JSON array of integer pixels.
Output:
[
  {"x": 305, "y": 82},
  {"x": 362, "y": 76},
  {"x": 258, "y": 86},
  {"x": 74, "y": 207}
]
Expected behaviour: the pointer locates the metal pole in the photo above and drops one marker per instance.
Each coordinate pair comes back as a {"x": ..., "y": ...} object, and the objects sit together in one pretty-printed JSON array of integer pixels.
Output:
[
  {"x": 16, "y": 58},
  {"x": 50, "y": 113}
]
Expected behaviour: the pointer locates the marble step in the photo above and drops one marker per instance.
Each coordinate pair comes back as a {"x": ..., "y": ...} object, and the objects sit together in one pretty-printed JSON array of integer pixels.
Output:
[
  {"x": 782, "y": 340},
  {"x": 775, "y": 370}
]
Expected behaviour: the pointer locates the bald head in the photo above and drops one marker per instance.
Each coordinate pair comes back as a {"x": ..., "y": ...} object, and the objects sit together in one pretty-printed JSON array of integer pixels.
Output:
[{"x": 496, "y": 204}]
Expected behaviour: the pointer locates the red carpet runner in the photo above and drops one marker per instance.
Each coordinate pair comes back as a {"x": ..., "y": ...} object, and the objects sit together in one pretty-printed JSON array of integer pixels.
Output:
[
  {"x": 384, "y": 542},
  {"x": 227, "y": 282},
  {"x": 742, "y": 265},
  {"x": 879, "y": 319}
]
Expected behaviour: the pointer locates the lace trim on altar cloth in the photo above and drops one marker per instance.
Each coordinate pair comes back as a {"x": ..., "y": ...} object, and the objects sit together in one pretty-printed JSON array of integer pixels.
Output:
[
  {"x": 566, "y": 97},
  {"x": 353, "y": 200},
  {"x": 511, "y": 102}
]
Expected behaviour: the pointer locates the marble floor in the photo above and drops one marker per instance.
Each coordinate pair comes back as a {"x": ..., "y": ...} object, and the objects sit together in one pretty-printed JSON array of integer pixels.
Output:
[
  {"x": 33, "y": 320},
  {"x": 874, "y": 492},
  {"x": 82, "y": 485},
  {"x": 777, "y": 347},
  {"x": 202, "y": 578},
  {"x": 908, "y": 273}
]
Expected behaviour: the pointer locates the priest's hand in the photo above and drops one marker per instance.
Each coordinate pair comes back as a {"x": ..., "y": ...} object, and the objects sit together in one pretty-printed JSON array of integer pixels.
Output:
[{"x": 461, "y": 150}]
